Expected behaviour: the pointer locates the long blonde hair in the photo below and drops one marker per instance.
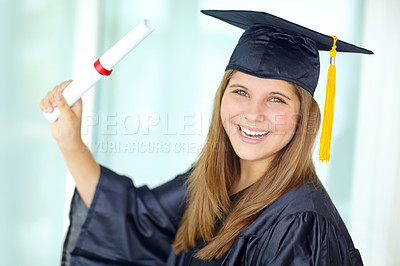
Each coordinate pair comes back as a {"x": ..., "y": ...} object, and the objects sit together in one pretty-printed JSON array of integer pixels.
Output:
[{"x": 217, "y": 166}]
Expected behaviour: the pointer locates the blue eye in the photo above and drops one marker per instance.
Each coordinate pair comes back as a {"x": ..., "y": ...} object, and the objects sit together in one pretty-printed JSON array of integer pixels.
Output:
[
  {"x": 276, "y": 100},
  {"x": 241, "y": 92}
]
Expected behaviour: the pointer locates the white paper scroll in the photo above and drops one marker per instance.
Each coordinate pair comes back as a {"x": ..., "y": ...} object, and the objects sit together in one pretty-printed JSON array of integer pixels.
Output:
[{"x": 109, "y": 59}]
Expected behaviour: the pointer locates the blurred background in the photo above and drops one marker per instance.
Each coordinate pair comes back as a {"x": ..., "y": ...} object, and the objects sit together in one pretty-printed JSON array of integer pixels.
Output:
[{"x": 149, "y": 119}]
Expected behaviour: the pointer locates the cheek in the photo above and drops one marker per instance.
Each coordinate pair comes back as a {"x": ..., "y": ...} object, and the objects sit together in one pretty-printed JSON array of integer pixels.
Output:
[
  {"x": 285, "y": 121},
  {"x": 224, "y": 113},
  {"x": 228, "y": 109}
]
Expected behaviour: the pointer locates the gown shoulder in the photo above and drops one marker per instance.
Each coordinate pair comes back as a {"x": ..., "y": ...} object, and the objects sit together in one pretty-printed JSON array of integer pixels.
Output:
[{"x": 302, "y": 227}]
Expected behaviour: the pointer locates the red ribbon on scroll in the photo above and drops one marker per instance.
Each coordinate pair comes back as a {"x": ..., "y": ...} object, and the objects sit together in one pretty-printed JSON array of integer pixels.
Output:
[{"x": 99, "y": 68}]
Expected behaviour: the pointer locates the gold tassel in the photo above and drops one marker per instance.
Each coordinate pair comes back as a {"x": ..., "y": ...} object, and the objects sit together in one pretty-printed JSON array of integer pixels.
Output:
[{"x": 326, "y": 133}]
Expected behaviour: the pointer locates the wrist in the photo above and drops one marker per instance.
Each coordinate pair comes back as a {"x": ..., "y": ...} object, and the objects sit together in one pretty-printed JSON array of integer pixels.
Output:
[{"x": 72, "y": 147}]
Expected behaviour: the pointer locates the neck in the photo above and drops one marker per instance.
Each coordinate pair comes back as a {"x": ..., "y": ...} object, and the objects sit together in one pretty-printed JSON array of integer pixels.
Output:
[{"x": 250, "y": 172}]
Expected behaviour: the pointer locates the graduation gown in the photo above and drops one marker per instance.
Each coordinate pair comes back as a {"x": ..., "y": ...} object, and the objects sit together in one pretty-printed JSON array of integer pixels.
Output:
[{"x": 126, "y": 225}]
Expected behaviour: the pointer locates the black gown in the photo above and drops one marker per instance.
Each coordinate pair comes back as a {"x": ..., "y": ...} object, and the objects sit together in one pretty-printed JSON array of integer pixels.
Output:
[{"x": 126, "y": 225}]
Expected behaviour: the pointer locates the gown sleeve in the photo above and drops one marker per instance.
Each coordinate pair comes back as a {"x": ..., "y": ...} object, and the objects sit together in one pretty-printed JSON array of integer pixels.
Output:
[
  {"x": 124, "y": 225},
  {"x": 307, "y": 239}
]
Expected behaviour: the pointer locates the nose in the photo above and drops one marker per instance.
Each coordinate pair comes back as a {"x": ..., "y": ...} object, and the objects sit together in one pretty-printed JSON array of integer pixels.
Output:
[{"x": 255, "y": 112}]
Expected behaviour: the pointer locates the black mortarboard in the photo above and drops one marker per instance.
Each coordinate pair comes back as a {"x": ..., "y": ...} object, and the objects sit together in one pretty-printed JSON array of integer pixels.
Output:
[{"x": 272, "y": 47}]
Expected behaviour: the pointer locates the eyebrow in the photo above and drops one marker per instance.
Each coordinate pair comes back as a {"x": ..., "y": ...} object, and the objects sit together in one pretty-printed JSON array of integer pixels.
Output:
[
  {"x": 238, "y": 85},
  {"x": 280, "y": 93},
  {"x": 272, "y": 92}
]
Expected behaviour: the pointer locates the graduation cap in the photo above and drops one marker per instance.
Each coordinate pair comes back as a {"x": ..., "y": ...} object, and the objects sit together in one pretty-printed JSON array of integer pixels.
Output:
[{"x": 272, "y": 47}]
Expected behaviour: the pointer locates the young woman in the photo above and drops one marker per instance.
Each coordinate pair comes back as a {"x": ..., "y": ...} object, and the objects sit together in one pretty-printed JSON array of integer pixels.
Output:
[{"x": 251, "y": 198}]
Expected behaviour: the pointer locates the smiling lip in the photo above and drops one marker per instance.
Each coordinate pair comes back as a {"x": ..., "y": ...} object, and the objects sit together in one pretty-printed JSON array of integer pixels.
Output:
[{"x": 251, "y": 136}]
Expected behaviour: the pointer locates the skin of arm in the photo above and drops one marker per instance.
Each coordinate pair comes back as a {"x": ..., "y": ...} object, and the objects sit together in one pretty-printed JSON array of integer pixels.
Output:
[{"x": 67, "y": 133}]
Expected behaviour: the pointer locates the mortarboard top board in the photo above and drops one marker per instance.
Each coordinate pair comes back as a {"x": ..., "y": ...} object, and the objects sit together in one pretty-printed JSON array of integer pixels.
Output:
[
  {"x": 272, "y": 47},
  {"x": 244, "y": 19}
]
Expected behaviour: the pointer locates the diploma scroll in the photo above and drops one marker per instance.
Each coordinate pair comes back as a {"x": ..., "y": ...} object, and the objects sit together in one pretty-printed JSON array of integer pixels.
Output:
[{"x": 103, "y": 66}]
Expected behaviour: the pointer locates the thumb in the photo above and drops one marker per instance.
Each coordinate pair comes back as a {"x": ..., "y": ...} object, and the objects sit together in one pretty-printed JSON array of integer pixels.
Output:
[{"x": 62, "y": 104}]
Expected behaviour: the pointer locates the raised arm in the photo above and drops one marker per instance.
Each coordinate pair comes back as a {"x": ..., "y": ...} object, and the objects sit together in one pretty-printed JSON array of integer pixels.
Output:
[{"x": 67, "y": 133}]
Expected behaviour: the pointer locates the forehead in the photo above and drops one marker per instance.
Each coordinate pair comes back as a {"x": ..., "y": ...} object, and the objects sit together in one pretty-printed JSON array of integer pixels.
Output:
[{"x": 261, "y": 84}]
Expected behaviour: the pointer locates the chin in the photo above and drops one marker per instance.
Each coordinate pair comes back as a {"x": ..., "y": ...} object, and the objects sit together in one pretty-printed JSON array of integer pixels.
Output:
[{"x": 253, "y": 157}]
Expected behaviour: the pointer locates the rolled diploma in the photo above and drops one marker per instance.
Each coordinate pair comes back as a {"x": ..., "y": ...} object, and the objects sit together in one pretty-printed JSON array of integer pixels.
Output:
[{"x": 108, "y": 60}]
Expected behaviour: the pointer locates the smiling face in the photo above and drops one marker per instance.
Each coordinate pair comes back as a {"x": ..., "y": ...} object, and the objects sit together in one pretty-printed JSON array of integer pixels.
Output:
[{"x": 259, "y": 116}]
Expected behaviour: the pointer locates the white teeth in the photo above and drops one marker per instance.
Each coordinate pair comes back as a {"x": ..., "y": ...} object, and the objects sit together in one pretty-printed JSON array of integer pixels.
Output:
[{"x": 251, "y": 133}]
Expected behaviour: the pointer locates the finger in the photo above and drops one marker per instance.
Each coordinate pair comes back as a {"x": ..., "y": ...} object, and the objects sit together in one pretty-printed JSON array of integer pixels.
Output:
[
  {"x": 64, "y": 84},
  {"x": 62, "y": 104},
  {"x": 49, "y": 99},
  {"x": 77, "y": 107},
  {"x": 52, "y": 100},
  {"x": 45, "y": 108},
  {"x": 59, "y": 88},
  {"x": 42, "y": 107},
  {"x": 45, "y": 104},
  {"x": 48, "y": 103}
]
